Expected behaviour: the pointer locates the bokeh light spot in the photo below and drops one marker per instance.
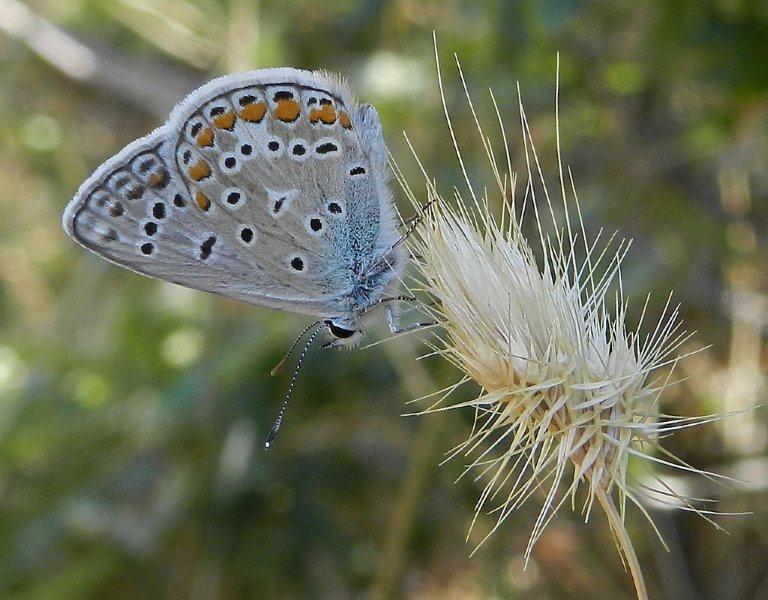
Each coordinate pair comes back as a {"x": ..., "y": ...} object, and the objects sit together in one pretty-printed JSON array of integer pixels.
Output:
[
  {"x": 91, "y": 390},
  {"x": 41, "y": 133},
  {"x": 183, "y": 347},
  {"x": 624, "y": 77}
]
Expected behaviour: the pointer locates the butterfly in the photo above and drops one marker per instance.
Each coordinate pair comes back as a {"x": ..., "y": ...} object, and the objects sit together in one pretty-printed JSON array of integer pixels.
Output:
[{"x": 269, "y": 187}]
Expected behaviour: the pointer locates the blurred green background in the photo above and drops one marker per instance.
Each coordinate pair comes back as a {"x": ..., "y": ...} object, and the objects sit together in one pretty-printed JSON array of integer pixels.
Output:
[{"x": 132, "y": 412}]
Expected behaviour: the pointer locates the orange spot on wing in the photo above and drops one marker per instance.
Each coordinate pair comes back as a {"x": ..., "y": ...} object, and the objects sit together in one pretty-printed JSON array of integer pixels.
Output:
[
  {"x": 326, "y": 114},
  {"x": 225, "y": 121},
  {"x": 344, "y": 120},
  {"x": 200, "y": 170},
  {"x": 254, "y": 112},
  {"x": 205, "y": 137},
  {"x": 287, "y": 110},
  {"x": 135, "y": 192},
  {"x": 202, "y": 201},
  {"x": 158, "y": 178}
]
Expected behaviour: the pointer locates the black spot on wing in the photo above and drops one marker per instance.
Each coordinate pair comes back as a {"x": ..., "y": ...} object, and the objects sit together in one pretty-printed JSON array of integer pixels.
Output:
[
  {"x": 246, "y": 234},
  {"x": 207, "y": 247},
  {"x": 327, "y": 147}
]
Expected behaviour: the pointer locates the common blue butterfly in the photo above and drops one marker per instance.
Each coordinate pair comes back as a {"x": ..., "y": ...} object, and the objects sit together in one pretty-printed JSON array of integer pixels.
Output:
[{"x": 268, "y": 187}]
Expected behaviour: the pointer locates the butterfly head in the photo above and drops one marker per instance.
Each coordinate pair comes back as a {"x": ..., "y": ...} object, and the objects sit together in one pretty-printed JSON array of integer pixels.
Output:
[{"x": 344, "y": 332}]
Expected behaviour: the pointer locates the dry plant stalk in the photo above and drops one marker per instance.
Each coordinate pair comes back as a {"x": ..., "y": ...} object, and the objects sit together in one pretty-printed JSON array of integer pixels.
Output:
[{"x": 569, "y": 394}]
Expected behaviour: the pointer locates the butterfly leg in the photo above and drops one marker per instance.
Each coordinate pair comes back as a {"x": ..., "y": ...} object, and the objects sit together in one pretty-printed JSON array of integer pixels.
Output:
[
  {"x": 417, "y": 217},
  {"x": 410, "y": 226},
  {"x": 395, "y": 328},
  {"x": 390, "y": 299},
  {"x": 395, "y": 299}
]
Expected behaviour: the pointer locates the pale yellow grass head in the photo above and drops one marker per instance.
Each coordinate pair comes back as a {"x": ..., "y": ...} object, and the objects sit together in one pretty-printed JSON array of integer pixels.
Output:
[{"x": 569, "y": 394}]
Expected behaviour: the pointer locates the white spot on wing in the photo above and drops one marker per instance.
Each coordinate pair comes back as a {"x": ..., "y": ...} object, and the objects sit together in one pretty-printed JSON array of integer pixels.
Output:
[
  {"x": 246, "y": 234},
  {"x": 246, "y": 149},
  {"x": 315, "y": 225},
  {"x": 326, "y": 147},
  {"x": 335, "y": 208},
  {"x": 274, "y": 147},
  {"x": 233, "y": 197},
  {"x": 297, "y": 263},
  {"x": 298, "y": 149},
  {"x": 230, "y": 163}
]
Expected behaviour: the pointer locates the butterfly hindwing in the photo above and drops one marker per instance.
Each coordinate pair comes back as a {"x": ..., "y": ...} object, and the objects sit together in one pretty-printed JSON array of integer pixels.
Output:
[{"x": 259, "y": 187}]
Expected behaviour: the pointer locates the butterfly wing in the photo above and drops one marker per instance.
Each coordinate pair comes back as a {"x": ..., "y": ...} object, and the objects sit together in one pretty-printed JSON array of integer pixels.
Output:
[{"x": 267, "y": 187}]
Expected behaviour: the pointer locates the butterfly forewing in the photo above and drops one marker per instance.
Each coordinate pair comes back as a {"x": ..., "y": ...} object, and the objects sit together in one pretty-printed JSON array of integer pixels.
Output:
[{"x": 259, "y": 187}]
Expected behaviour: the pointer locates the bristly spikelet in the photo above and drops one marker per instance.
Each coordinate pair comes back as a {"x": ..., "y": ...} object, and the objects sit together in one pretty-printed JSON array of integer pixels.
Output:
[{"x": 569, "y": 395}]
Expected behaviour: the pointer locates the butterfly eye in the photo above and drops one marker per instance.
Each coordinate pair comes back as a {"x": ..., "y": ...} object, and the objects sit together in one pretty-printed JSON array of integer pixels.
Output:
[{"x": 339, "y": 332}]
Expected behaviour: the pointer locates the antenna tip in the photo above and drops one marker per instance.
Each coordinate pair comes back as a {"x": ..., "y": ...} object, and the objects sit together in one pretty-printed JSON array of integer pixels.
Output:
[
  {"x": 278, "y": 368},
  {"x": 270, "y": 438}
]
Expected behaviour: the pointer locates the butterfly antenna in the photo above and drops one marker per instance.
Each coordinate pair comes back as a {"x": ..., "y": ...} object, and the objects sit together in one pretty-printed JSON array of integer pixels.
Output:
[
  {"x": 279, "y": 366},
  {"x": 278, "y": 421}
]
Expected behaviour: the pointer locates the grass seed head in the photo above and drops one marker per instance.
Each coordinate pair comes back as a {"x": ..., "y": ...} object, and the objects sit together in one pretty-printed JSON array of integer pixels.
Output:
[{"x": 569, "y": 395}]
